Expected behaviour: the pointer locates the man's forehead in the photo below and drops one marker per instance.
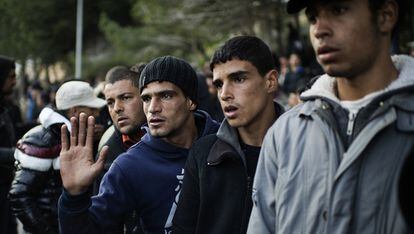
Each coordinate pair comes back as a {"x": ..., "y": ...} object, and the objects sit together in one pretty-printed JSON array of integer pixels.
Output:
[
  {"x": 232, "y": 67},
  {"x": 294, "y": 6}
]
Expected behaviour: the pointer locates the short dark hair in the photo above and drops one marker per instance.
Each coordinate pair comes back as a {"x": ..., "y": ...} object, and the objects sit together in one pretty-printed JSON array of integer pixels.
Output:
[
  {"x": 247, "y": 48},
  {"x": 118, "y": 73}
]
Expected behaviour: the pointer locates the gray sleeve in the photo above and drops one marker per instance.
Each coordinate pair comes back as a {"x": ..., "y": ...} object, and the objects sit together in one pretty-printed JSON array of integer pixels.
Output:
[{"x": 263, "y": 218}]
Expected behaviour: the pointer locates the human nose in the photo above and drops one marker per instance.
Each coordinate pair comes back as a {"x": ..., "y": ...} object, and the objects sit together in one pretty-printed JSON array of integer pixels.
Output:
[
  {"x": 154, "y": 106},
  {"x": 321, "y": 27},
  {"x": 225, "y": 91},
  {"x": 118, "y": 107}
]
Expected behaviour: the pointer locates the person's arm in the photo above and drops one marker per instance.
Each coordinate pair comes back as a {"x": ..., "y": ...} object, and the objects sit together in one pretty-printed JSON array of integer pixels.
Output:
[
  {"x": 263, "y": 216},
  {"x": 78, "y": 171},
  {"x": 185, "y": 218},
  {"x": 24, "y": 193},
  {"x": 100, "y": 214}
]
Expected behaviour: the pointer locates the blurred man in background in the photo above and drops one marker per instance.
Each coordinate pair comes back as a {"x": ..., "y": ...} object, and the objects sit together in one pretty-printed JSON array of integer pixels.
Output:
[
  {"x": 7, "y": 143},
  {"x": 37, "y": 183}
]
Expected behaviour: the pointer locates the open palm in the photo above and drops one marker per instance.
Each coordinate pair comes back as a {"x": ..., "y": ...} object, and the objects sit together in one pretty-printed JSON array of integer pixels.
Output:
[{"x": 77, "y": 166}]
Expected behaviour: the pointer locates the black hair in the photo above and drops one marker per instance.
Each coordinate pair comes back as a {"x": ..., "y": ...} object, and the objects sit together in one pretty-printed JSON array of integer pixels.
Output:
[
  {"x": 6, "y": 65},
  {"x": 247, "y": 48},
  {"x": 118, "y": 73}
]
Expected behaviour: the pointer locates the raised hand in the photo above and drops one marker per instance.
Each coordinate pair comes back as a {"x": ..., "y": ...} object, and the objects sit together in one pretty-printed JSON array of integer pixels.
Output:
[{"x": 77, "y": 166}]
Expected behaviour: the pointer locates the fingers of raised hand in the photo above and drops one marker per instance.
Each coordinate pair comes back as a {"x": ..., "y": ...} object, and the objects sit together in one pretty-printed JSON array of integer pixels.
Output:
[
  {"x": 82, "y": 129},
  {"x": 90, "y": 131},
  {"x": 64, "y": 137},
  {"x": 74, "y": 131}
]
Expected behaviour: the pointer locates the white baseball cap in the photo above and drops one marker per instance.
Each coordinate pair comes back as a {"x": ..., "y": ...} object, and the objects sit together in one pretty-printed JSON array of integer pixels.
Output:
[{"x": 77, "y": 93}]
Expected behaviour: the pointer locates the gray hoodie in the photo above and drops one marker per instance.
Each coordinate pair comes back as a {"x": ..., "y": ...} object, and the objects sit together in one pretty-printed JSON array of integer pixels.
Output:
[{"x": 308, "y": 182}]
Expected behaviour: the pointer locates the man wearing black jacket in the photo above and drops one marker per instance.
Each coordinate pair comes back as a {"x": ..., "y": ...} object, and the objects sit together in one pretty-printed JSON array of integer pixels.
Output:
[
  {"x": 37, "y": 184},
  {"x": 216, "y": 193}
]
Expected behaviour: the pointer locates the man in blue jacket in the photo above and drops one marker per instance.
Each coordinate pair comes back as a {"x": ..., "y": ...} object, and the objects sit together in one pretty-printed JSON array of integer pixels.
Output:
[{"x": 148, "y": 177}]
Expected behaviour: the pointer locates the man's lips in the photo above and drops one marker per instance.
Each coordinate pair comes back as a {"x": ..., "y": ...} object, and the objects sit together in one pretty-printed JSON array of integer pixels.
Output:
[
  {"x": 155, "y": 121},
  {"x": 230, "y": 111},
  {"x": 326, "y": 53},
  {"x": 122, "y": 120}
]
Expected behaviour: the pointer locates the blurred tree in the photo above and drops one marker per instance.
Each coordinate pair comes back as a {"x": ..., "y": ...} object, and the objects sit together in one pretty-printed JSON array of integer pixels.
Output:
[
  {"x": 191, "y": 28},
  {"x": 131, "y": 31},
  {"x": 45, "y": 30}
]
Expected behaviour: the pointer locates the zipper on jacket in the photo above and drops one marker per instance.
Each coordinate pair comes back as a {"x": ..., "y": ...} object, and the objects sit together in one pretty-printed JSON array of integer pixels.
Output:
[
  {"x": 351, "y": 122},
  {"x": 246, "y": 200}
]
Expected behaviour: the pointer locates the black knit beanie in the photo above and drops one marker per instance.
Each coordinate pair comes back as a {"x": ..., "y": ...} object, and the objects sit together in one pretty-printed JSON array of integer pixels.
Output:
[
  {"x": 6, "y": 65},
  {"x": 174, "y": 70}
]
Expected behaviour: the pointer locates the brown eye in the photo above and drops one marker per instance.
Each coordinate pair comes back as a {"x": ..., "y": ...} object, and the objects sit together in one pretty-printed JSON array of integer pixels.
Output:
[
  {"x": 145, "y": 99},
  {"x": 218, "y": 84},
  {"x": 166, "y": 96},
  {"x": 239, "y": 79}
]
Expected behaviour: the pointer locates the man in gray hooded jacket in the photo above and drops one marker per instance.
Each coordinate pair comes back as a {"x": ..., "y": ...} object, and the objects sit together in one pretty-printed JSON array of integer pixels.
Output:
[{"x": 332, "y": 164}]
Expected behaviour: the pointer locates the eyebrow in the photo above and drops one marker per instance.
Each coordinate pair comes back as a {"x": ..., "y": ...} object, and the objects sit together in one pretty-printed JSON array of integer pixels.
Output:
[
  {"x": 120, "y": 95},
  {"x": 159, "y": 93},
  {"x": 123, "y": 94},
  {"x": 237, "y": 74}
]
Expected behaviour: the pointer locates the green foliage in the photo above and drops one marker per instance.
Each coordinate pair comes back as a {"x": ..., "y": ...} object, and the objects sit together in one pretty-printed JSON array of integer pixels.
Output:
[{"x": 132, "y": 31}]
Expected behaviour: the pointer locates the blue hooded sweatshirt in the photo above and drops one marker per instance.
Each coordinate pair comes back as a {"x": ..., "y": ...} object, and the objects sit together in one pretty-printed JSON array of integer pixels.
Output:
[{"x": 147, "y": 179}]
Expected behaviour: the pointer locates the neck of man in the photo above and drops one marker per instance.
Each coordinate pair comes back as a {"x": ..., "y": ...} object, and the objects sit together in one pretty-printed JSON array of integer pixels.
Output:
[
  {"x": 185, "y": 136},
  {"x": 254, "y": 133},
  {"x": 376, "y": 78}
]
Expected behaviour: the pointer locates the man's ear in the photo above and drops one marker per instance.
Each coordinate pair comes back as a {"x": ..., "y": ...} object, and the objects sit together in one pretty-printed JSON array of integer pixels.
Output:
[
  {"x": 191, "y": 104},
  {"x": 271, "y": 81},
  {"x": 388, "y": 16}
]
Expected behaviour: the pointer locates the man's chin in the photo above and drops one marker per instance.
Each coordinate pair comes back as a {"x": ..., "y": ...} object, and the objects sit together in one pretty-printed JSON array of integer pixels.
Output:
[
  {"x": 157, "y": 133},
  {"x": 128, "y": 130},
  {"x": 235, "y": 123}
]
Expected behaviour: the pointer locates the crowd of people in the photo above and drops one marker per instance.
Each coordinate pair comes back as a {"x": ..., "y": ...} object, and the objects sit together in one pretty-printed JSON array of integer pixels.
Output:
[{"x": 253, "y": 143}]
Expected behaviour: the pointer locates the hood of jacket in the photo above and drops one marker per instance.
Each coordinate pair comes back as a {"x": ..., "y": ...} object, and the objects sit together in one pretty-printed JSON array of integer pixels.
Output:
[
  {"x": 205, "y": 126},
  {"x": 229, "y": 134},
  {"x": 324, "y": 87},
  {"x": 49, "y": 117}
]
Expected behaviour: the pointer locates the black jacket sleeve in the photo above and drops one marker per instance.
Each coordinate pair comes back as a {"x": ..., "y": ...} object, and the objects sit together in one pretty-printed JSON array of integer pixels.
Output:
[
  {"x": 7, "y": 156},
  {"x": 23, "y": 197}
]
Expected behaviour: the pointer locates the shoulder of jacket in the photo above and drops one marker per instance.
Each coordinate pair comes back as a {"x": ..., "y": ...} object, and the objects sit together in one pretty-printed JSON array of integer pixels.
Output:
[
  {"x": 108, "y": 136},
  {"x": 43, "y": 137},
  {"x": 41, "y": 142},
  {"x": 405, "y": 116},
  {"x": 205, "y": 142}
]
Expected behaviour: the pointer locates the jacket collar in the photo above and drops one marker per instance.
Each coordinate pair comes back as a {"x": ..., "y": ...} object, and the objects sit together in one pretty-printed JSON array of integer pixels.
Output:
[
  {"x": 226, "y": 147},
  {"x": 322, "y": 91},
  {"x": 228, "y": 143},
  {"x": 324, "y": 87}
]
